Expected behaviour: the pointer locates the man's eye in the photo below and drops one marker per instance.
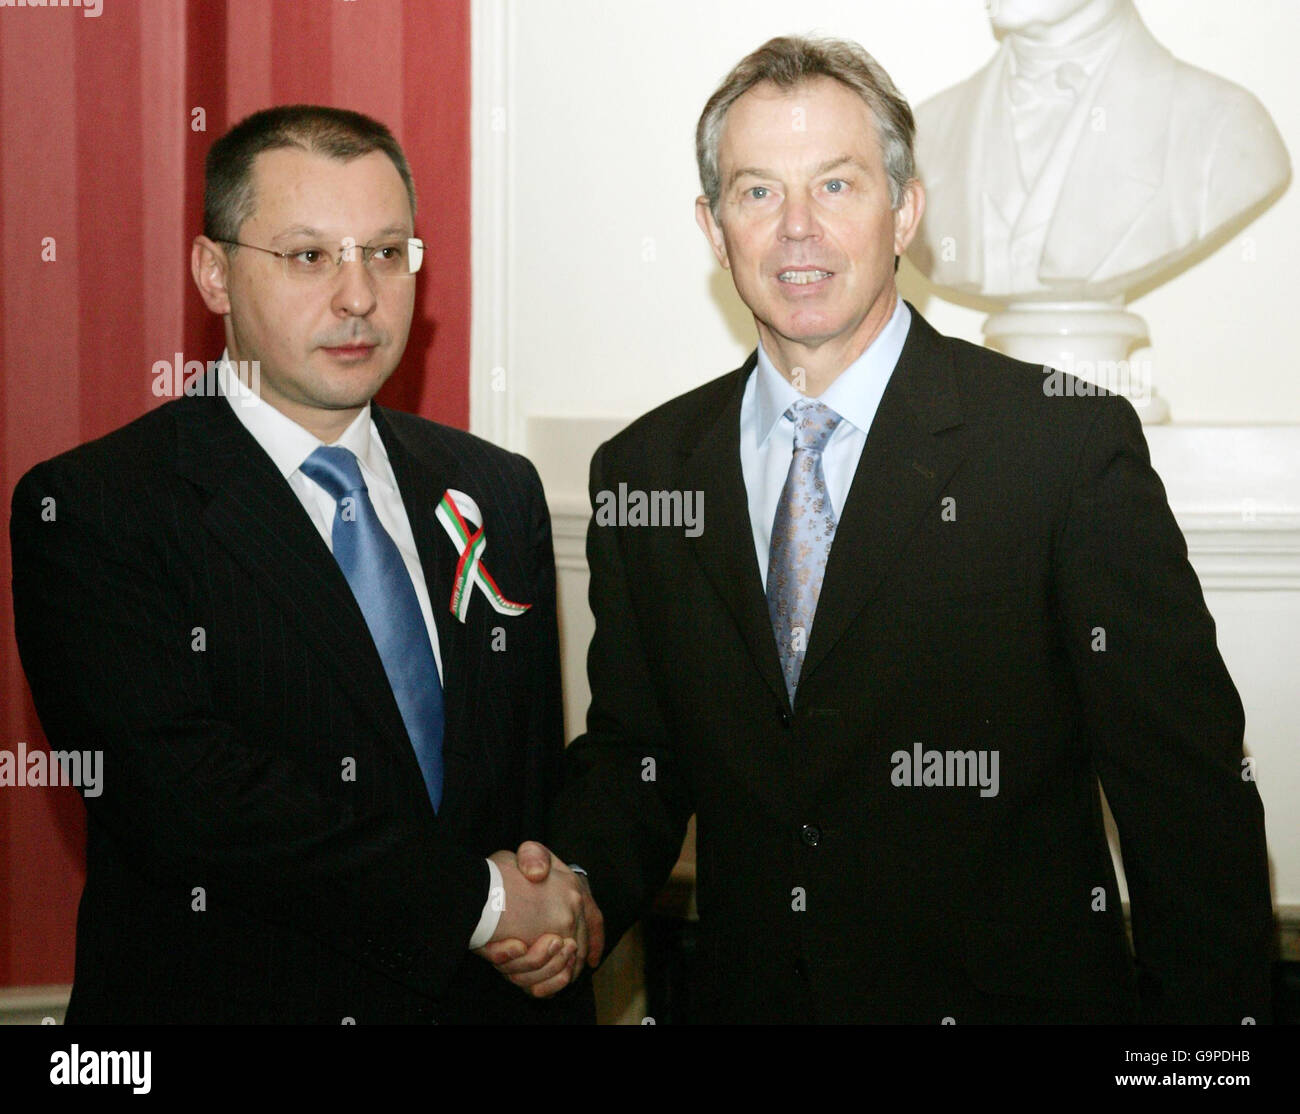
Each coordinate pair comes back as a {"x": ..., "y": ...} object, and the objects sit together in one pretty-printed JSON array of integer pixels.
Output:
[
  {"x": 309, "y": 257},
  {"x": 387, "y": 252},
  {"x": 836, "y": 185},
  {"x": 757, "y": 192}
]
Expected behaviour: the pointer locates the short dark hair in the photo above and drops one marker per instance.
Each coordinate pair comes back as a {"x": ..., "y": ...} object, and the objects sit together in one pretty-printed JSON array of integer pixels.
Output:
[{"x": 334, "y": 132}]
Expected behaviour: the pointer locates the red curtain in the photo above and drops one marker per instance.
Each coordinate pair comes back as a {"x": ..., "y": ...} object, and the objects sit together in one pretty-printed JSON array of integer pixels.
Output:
[{"x": 101, "y": 183}]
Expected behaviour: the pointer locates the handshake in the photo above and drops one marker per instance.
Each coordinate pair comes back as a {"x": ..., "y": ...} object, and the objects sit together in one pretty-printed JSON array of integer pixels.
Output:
[{"x": 550, "y": 926}]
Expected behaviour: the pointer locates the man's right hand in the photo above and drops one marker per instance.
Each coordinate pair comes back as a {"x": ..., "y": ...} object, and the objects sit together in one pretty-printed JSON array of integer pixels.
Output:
[
  {"x": 541, "y": 919},
  {"x": 550, "y": 963}
]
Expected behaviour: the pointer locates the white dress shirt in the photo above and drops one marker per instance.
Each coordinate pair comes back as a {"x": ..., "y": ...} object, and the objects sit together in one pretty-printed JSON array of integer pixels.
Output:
[
  {"x": 767, "y": 435},
  {"x": 289, "y": 445}
]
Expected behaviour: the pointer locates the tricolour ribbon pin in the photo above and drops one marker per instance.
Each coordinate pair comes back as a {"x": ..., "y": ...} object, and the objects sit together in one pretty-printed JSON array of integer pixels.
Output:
[{"x": 456, "y": 512}]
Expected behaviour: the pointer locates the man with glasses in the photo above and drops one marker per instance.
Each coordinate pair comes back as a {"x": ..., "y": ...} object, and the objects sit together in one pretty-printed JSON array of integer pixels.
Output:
[{"x": 270, "y": 608}]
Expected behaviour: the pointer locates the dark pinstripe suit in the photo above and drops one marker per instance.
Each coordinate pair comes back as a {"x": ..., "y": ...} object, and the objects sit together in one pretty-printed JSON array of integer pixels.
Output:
[{"x": 225, "y": 749}]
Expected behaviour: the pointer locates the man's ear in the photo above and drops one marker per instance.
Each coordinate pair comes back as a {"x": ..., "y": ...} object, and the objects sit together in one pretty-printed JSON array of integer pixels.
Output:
[
  {"x": 210, "y": 267},
  {"x": 908, "y": 215},
  {"x": 712, "y": 230}
]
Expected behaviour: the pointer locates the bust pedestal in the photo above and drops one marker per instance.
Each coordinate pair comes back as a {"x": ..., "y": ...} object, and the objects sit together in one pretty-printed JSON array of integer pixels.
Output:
[{"x": 1090, "y": 340}]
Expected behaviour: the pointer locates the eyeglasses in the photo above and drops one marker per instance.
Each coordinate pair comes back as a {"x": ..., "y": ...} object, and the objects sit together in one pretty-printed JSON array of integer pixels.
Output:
[{"x": 399, "y": 259}]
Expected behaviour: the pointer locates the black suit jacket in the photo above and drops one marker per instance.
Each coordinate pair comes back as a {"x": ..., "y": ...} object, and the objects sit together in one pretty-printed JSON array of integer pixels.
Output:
[
  {"x": 991, "y": 536},
  {"x": 264, "y": 849}
]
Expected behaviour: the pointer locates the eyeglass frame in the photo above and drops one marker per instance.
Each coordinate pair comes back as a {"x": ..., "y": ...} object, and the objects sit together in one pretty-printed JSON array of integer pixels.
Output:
[{"x": 367, "y": 254}]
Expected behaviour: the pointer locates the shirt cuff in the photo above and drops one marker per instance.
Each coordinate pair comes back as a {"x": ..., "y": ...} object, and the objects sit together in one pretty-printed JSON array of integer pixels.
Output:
[{"x": 487, "y": 923}]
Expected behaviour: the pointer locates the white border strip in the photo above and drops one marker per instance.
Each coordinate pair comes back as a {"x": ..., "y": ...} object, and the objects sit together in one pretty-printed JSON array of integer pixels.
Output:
[{"x": 493, "y": 413}]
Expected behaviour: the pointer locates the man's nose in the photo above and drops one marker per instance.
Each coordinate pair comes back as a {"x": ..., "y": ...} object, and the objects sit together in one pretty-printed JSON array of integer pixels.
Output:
[
  {"x": 354, "y": 288},
  {"x": 798, "y": 221}
]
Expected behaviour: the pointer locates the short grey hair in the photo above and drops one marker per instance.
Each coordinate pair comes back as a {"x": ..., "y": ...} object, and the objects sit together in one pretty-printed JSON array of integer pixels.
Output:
[{"x": 791, "y": 60}]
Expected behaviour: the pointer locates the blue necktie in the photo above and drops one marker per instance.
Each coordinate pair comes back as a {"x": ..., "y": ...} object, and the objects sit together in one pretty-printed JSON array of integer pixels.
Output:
[
  {"x": 378, "y": 577},
  {"x": 802, "y": 533}
]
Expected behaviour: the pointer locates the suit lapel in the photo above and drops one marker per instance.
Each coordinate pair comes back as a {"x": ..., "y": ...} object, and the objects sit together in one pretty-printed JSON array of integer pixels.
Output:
[
  {"x": 914, "y": 446},
  {"x": 963, "y": 196},
  {"x": 724, "y": 548},
  {"x": 1136, "y": 92},
  {"x": 911, "y": 452},
  {"x": 256, "y": 516}
]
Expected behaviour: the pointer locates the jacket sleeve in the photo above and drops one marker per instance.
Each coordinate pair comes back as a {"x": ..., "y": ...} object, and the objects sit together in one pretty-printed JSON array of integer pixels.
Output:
[
  {"x": 1164, "y": 726},
  {"x": 626, "y": 800},
  {"x": 105, "y": 639},
  {"x": 546, "y": 706}
]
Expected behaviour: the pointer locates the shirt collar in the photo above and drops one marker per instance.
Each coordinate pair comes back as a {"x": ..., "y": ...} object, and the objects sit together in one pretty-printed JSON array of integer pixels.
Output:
[
  {"x": 854, "y": 395},
  {"x": 285, "y": 441}
]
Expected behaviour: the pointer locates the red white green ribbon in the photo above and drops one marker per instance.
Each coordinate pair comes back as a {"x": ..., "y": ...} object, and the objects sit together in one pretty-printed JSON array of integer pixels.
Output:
[{"x": 456, "y": 511}]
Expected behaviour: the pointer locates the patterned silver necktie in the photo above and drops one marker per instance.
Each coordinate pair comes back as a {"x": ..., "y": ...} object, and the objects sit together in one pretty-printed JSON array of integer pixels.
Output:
[{"x": 802, "y": 533}]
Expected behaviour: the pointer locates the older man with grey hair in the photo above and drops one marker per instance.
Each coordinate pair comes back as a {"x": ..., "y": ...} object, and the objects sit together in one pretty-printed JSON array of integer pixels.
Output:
[{"x": 931, "y": 608}]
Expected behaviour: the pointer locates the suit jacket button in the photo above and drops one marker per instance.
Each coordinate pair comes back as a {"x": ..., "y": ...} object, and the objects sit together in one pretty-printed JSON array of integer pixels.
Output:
[
  {"x": 786, "y": 719},
  {"x": 811, "y": 835}
]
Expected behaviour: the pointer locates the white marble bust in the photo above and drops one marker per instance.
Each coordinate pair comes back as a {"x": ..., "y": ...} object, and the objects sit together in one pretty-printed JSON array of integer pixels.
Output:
[{"x": 1084, "y": 159}]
